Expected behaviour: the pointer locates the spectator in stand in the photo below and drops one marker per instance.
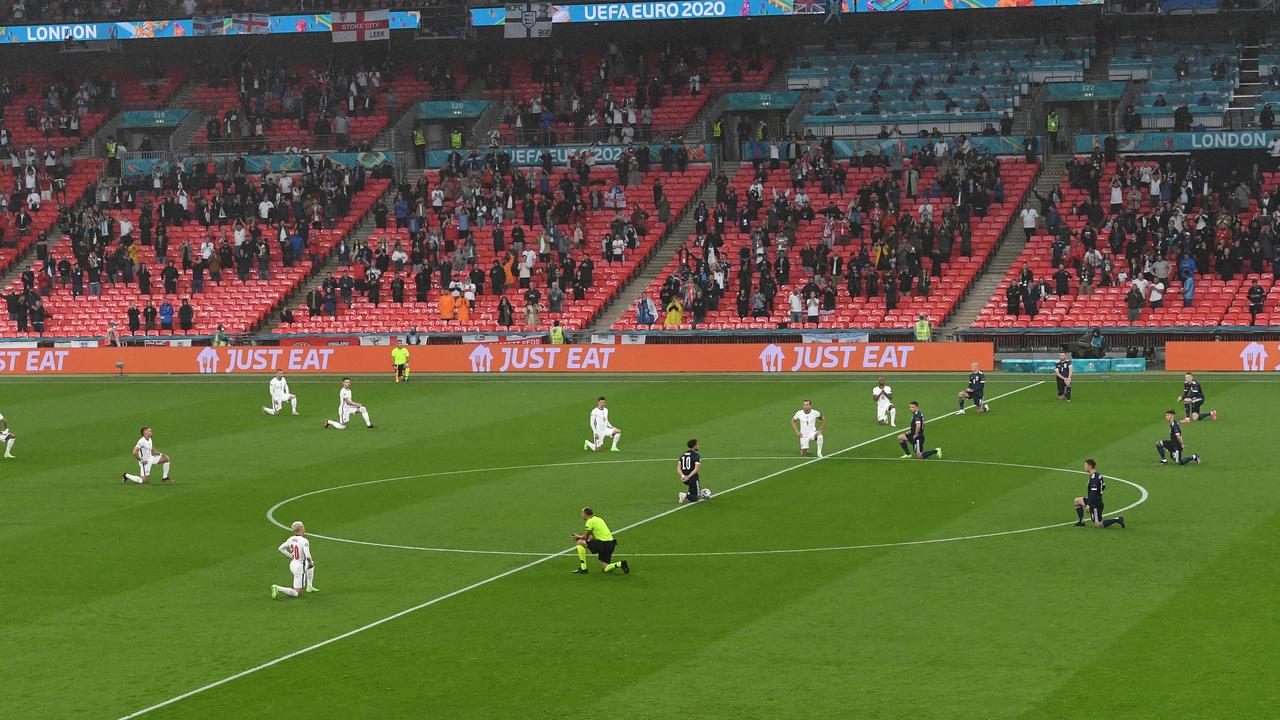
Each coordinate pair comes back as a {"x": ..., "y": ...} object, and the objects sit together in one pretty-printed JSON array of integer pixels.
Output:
[
  {"x": 166, "y": 315},
  {"x": 186, "y": 316},
  {"x": 1256, "y": 296}
]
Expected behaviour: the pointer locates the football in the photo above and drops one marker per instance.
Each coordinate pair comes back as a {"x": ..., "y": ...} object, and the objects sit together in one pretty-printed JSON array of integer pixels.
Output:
[{"x": 706, "y": 493}]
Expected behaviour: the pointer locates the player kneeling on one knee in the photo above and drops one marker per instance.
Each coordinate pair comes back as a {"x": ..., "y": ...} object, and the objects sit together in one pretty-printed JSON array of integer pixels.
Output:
[
  {"x": 1092, "y": 500},
  {"x": 912, "y": 441},
  {"x": 303, "y": 568},
  {"x": 808, "y": 424}
]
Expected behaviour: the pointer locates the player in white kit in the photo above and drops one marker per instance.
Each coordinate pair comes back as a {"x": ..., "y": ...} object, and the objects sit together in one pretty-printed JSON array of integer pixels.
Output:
[
  {"x": 279, "y": 389},
  {"x": 346, "y": 408},
  {"x": 298, "y": 549},
  {"x": 147, "y": 458},
  {"x": 807, "y": 424},
  {"x": 600, "y": 429},
  {"x": 885, "y": 411},
  {"x": 7, "y": 437}
]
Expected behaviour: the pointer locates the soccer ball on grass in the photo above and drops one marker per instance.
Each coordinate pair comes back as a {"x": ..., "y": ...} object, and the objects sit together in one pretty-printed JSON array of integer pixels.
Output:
[{"x": 706, "y": 493}]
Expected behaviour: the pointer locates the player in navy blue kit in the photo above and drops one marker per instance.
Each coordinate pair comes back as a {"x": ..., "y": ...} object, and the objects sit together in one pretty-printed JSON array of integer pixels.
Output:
[
  {"x": 1092, "y": 500},
  {"x": 912, "y": 441},
  {"x": 1192, "y": 399},
  {"x": 1174, "y": 445},
  {"x": 977, "y": 385},
  {"x": 687, "y": 466},
  {"x": 1062, "y": 373}
]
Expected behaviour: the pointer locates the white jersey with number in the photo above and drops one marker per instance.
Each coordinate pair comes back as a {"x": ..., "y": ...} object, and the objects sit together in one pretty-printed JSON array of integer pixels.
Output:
[
  {"x": 808, "y": 421},
  {"x": 279, "y": 388},
  {"x": 298, "y": 549},
  {"x": 600, "y": 420},
  {"x": 882, "y": 396}
]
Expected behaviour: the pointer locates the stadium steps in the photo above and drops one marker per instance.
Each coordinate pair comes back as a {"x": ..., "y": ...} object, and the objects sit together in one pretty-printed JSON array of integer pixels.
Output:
[
  {"x": 1250, "y": 88},
  {"x": 1006, "y": 253},
  {"x": 362, "y": 232},
  {"x": 681, "y": 230}
]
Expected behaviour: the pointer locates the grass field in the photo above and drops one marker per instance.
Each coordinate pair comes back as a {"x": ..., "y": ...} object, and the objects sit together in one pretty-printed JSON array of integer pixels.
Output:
[{"x": 119, "y": 598}]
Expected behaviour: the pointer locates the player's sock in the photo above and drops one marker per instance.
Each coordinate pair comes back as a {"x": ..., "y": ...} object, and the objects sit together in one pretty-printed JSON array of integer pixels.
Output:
[
  {"x": 905, "y": 448},
  {"x": 1068, "y": 392},
  {"x": 293, "y": 404},
  {"x": 1080, "y": 513},
  {"x": 1187, "y": 407},
  {"x": 962, "y": 403},
  {"x": 1160, "y": 449},
  {"x": 1205, "y": 415},
  {"x": 586, "y": 445},
  {"x": 164, "y": 469},
  {"x": 616, "y": 438},
  {"x": 582, "y": 557},
  {"x": 893, "y": 417},
  {"x": 613, "y": 566},
  {"x": 819, "y": 440},
  {"x": 8, "y": 446},
  {"x": 365, "y": 414},
  {"x": 928, "y": 454},
  {"x": 289, "y": 591},
  {"x": 268, "y": 411},
  {"x": 1186, "y": 460},
  {"x": 336, "y": 425},
  {"x": 1109, "y": 522},
  {"x": 133, "y": 478}
]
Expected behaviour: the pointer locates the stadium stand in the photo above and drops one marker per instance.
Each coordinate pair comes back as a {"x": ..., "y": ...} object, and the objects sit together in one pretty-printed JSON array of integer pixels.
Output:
[
  {"x": 265, "y": 107},
  {"x": 617, "y": 209},
  {"x": 595, "y": 97},
  {"x": 81, "y": 175},
  {"x": 1198, "y": 77},
  {"x": 91, "y": 246},
  {"x": 940, "y": 254},
  {"x": 966, "y": 90},
  {"x": 1226, "y": 254}
]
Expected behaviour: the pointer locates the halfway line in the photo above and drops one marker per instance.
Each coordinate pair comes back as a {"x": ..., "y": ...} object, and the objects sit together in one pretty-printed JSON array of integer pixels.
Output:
[{"x": 513, "y": 571}]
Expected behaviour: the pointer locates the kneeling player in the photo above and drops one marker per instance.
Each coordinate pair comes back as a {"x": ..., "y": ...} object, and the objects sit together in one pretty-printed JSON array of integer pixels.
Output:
[
  {"x": 147, "y": 458},
  {"x": 298, "y": 549},
  {"x": 1192, "y": 399},
  {"x": 597, "y": 540},
  {"x": 601, "y": 428},
  {"x": 279, "y": 390},
  {"x": 807, "y": 424},
  {"x": 886, "y": 413},
  {"x": 1174, "y": 444},
  {"x": 1062, "y": 373},
  {"x": 912, "y": 441},
  {"x": 977, "y": 386},
  {"x": 346, "y": 408},
  {"x": 687, "y": 468},
  {"x": 7, "y": 437},
  {"x": 1092, "y": 500}
]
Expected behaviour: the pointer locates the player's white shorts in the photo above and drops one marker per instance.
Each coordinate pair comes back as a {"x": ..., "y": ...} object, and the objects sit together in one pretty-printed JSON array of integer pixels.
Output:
[
  {"x": 144, "y": 467},
  {"x": 299, "y": 570},
  {"x": 344, "y": 413},
  {"x": 606, "y": 432},
  {"x": 806, "y": 438},
  {"x": 5, "y": 435},
  {"x": 882, "y": 412}
]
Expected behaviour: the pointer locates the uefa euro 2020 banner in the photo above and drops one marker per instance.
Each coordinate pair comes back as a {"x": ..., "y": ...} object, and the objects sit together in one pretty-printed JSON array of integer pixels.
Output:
[{"x": 503, "y": 358}]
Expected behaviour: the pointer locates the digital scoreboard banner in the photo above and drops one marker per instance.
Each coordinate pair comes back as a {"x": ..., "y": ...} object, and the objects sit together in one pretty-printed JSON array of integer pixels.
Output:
[{"x": 716, "y": 9}]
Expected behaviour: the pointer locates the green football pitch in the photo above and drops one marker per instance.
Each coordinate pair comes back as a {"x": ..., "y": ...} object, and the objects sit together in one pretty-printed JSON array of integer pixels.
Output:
[{"x": 857, "y": 586}]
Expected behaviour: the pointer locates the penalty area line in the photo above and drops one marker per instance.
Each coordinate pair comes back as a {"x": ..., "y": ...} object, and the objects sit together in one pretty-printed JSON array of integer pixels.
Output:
[{"x": 519, "y": 568}]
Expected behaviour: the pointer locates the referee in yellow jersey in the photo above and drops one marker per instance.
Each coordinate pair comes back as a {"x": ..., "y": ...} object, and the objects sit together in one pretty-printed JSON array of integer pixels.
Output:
[
  {"x": 400, "y": 360},
  {"x": 598, "y": 541}
]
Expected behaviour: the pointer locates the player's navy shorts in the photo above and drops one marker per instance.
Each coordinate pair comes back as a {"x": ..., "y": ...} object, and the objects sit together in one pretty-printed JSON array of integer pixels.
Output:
[
  {"x": 1095, "y": 511},
  {"x": 975, "y": 394},
  {"x": 1195, "y": 406},
  {"x": 917, "y": 445},
  {"x": 602, "y": 549}
]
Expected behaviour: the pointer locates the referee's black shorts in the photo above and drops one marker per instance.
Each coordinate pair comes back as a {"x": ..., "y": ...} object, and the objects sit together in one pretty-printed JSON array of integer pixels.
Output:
[{"x": 602, "y": 549}]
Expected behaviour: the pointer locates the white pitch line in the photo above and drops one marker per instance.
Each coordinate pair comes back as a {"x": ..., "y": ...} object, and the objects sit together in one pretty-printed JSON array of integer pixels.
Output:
[{"x": 512, "y": 571}]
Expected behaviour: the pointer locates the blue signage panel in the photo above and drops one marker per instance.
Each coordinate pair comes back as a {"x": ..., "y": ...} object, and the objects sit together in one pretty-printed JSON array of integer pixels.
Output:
[{"x": 1160, "y": 142}]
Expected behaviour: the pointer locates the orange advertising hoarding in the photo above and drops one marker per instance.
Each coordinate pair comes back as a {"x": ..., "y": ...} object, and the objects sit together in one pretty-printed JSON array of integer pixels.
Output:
[
  {"x": 1224, "y": 356},
  {"x": 503, "y": 358}
]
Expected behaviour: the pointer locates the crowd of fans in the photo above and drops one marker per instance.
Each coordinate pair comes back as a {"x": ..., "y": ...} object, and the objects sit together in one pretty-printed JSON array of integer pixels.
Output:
[
  {"x": 246, "y": 219},
  {"x": 1148, "y": 226},
  {"x": 534, "y": 219},
  {"x": 867, "y": 244}
]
